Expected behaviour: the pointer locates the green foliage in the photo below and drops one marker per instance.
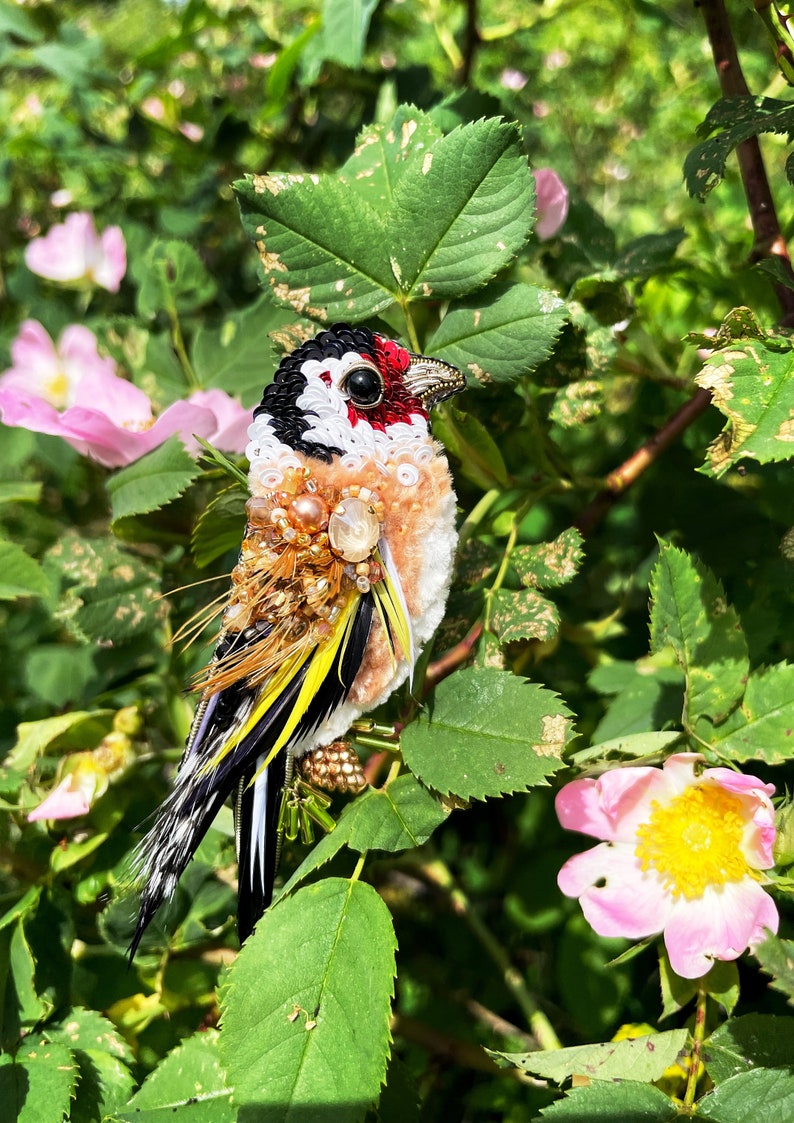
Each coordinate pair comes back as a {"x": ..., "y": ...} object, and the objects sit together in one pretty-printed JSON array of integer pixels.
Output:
[{"x": 382, "y": 157}]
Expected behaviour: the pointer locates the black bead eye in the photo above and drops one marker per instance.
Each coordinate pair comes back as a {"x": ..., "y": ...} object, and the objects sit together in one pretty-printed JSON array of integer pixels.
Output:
[{"x": 364, "y": 385}]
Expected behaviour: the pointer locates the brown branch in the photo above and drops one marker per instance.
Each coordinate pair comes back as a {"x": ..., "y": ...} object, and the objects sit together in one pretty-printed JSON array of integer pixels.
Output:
[
  {"x": 450, "y": 1048},
  {"x": 452, "y": 659},
  {"x": 623, "y": 477},
  {"x": 769, "y": 241}
]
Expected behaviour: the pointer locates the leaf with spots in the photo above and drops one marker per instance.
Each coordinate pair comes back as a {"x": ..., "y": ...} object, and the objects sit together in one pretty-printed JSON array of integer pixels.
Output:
[
  {"x": 549, "y": 564},
  {"x": 752, "y": 384},
  {"x": 487, "y": 733},
  {"x": 305, "y": 1011},
  {"x": 501, "y": 334},
  {"x": 638, "y": 1058},
  {"x": 738, "y": 118},
  {"x": 523, "y": 615},
  {"x": 752, "y": 1041},
  {"x": 689, "y": 612},
  {"x": 37, "y": 1083},
  {"x": 762, "y": 728},
  {"x": 384, "y": 152}
]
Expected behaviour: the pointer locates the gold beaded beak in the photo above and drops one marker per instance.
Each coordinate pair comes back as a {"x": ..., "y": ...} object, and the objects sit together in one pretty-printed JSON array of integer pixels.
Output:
[{"x": 432, "y": 380}]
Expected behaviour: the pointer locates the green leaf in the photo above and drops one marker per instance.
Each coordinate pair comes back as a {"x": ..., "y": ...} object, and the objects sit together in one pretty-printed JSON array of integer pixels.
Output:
[
  {"x": 462, "y": 213},
  {"x": 238, "y": 356},
  {"x": 676, "y": 991},
  {"x": 37, "y": 1084},
  {"x": 102, "y": 1055},
  {"x": 487, "y": 733},
  {"x": 35, "y": 737},
  {"x": 722, "y": 984},
  {"x": 752, "y": 1041},
  {"x": 152, "y": 481},
  {"x": 345, "y": 27},
  {"x": 306, "y": 1007},
  {"x": 396, "y": 817},
  {"x": 577, "y": 403},
  {"x": 470, "y": 442},
  {"x": 88, "y": 1029},
  {"x": 763, "y": 726},
  {"x": 550, "y": 563},
  {"x": 633, "y": 746},
  {"x": 500, "y": 334},
  {"x": 524, "y": 615},
  {"x": 22, "y": 576},
  {"x": 651, "y": 697},
  {"x": 638, "y": 1058},
  {"x": 739, "y": 1098},
  {"x": 172, "y": 276},
  {"x": 220, "y": 526},
  {"x": 19, "y": 491},
  {"x": 329, "y": 845},
  {"x": 189, "y": 1083},
  {"x": 689, "y": 612},
  {"x": 384, "y": 152},
  {"x": 20, "y": 1006},
  {"x": 752, "y": 384},
  {"x": 740, "y": 118},
  {"x": 321, "y": 246},
  {"x": 626, "y": 1101},
  {"x": 776, "y": 957}
]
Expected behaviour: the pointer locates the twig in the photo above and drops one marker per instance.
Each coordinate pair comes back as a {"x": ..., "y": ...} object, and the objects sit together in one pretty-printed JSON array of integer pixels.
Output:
[
  {"x": 437, "y": 873},
  {"x": 441, "y": 1044},
  {"x": 623, "y": 477},
  {"x": 769, "y": 241},
  {"x": 452, "y": 659},
  {"x": 471, "y": 40}
]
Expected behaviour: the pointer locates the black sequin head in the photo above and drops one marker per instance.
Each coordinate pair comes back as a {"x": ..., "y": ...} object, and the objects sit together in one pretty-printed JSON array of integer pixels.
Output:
[{"x": 290, "y": 422}]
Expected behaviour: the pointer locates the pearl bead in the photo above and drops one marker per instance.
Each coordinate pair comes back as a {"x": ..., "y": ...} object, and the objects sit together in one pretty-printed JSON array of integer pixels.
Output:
[
  {"x": 353, "y": 530},
  {"x": 309, "y": 513}
]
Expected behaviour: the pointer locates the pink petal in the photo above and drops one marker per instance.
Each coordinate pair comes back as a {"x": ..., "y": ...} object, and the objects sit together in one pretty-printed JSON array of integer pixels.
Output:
[
  {"x": 28, "y": 411},
  {"x": 125, "y": 404},
  {"x": 61, "y": 254},
  {"x": 617, "y": 899},
  {"x": 72, "y": 797},
  {"x": 719, "y": 925},
  {"x": 112, "y": 265},
  {"x": 231, "y": 419},
  {"x": 613, "y": 806},
  {"x": 551, "y": 203},
  {"x": 33, "y": 352}
]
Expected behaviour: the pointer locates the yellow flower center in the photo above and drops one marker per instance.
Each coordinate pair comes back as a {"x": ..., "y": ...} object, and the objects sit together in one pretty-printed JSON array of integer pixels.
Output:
[
  {"x": 56, "y": 390},
  {"x": 694, "y": 841}
]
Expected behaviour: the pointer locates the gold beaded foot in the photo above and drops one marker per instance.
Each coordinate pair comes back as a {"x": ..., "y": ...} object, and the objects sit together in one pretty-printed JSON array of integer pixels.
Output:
[{"x": 335, "y": 767}]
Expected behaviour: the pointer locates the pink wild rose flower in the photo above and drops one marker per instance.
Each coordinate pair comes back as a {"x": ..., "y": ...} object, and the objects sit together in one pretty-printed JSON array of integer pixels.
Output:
[
  {"x": 72, "y": 251},
  {"x": 681, "y": 854},
  {"x": 551, "y": 203},
  {"x": 70, "y": 391}
]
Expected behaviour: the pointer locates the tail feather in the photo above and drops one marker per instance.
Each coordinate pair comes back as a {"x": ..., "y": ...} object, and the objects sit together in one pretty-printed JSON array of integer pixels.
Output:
[{"x": 258, "y": 837}]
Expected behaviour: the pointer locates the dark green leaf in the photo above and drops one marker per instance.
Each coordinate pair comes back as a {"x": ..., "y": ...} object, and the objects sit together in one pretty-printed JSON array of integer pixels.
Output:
[
  {"x": 690, "y": 613},
  {"x": 396, "y": 817},
  {"x": 22, "y": 576},
  {"x": 738, "y": 1099},
  {"x": 749, "y": 1042},
  {"x": 487, "y": 733},
  {"x": 383, "y": 152},
  {"x": 311, "y": 990},
  {"x": 172, "y": 276},
  {"x": 500, "y": 334},
  {"x": 152, "y": 481},
  {"x": 469, "y": 441},
  {"x": 740, "y": 118},
  {"x": 189, "y": 1083},
  {"x": 220, "y": 526},
  {"x": 763, "y": 726},
  {"x": 239, "y": 356},
  {"x": 626, "y": 1101},
  {"x": 776, "y": 957}
]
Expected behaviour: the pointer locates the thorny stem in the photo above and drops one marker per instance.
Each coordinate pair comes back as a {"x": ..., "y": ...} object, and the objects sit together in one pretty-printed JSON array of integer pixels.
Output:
[
  {"x": 439, "y": 874},
  {"x": 769, "y": 241},
  {"x": 698, "y": 1036},
  {"x": 623, "y": 477},
  {"x": 442, "y": 667}
]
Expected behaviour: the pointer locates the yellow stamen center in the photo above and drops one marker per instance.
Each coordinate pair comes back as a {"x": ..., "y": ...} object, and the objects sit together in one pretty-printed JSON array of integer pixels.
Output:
[
  {"x": 56, "y": 390},
  {"x": 694, "y": 841}
]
